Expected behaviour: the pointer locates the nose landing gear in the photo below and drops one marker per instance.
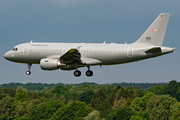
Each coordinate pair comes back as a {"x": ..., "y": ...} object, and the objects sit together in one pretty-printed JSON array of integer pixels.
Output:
[{"x": 29, "y": 68}]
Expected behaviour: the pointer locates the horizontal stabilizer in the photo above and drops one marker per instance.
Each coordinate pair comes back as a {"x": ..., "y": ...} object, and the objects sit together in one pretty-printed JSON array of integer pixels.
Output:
[{"x": 154, "y": 49}]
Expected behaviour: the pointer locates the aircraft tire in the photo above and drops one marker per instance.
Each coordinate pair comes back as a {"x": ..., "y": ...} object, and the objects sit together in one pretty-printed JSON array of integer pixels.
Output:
[
  {"x": 28, "y": 72},
  {"x": 89, "y": 73},
  {"x": 77, "y": 73}
]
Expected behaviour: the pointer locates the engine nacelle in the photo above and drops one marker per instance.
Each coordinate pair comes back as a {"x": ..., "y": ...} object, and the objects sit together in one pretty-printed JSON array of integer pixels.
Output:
[{"x": 51, "y": 64}]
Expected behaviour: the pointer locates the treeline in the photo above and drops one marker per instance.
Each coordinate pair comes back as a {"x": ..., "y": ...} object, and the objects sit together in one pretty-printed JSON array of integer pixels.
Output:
[
  {"x": 91, "y": 102},
  {"x": 41, "y": 86}
]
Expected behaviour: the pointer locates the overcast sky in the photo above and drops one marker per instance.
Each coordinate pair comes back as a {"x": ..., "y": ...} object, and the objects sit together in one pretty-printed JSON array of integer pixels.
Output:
[{"x": 89, "y": 21}]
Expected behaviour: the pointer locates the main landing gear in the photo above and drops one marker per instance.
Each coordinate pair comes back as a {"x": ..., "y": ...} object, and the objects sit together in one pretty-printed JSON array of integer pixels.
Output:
[
  {"x": 29, "y": 68},
  {"x": 77, "y": 73},
  {"x": 89, "y": 73}
]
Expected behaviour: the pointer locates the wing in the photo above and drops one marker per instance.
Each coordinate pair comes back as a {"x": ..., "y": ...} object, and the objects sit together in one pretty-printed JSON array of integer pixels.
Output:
[{"x": 71, "y": 56}]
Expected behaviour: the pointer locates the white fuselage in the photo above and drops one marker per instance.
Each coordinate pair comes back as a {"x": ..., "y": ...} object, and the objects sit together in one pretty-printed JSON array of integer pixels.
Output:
[{"x": 108, "y": 54}]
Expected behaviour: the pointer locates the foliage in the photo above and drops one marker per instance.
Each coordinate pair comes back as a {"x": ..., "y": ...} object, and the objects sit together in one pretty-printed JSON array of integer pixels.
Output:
[
  {"x": 159, "y": 107},
  {"x": 9, "y": 91},
  {"x": 86, "y": 96},
  {"x": 41, "y": 86},
  {"x": 125, "y": 93},
  {"x": 139, "y": 91},
  {"x": 175, "y": 111},
  {"x": 124, "y": 113},
  {"x": 5, "y": 106},
  {"x": 60, "y": 90},
  {"x": 139, "y": 103},
  {"x": 158, "y": 90},
  {"x": 173, "y": 89},
  {"x": 94, "y": 115},
  {"x": 23, "y": 109},
  {"x": 99, "y": 98},
  {"x": 137, "y": 118},
  {"x": 35, "y": 96},
  {"x": 76, "y": 101},
  {"x": 72, "y": 111},
  {"x": 45, "y": 110},
  {"x": 104, "y": 109},
  {"x": 112, "y": 99},
  {"x": 20, "y": 95}
]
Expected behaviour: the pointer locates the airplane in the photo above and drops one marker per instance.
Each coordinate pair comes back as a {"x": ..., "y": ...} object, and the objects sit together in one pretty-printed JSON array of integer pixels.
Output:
[{"x": 72, "y": 56}]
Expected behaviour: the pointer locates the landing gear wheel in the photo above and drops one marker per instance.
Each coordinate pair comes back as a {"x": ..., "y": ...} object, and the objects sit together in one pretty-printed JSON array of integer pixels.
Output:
[
  {"x": 89, "y": 73},
  {"x": 29, "y": 68},
  {"x": 28, "y": 72},
  {"x": 77, "y": 73}
]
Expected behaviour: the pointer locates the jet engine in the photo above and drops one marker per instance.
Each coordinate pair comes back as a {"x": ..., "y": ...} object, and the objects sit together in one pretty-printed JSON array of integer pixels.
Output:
[{"x": 51, "y": 64}]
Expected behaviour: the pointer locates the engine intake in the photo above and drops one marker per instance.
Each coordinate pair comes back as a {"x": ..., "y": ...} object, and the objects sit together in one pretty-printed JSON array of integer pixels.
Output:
[{"x": 51, "y": 64}]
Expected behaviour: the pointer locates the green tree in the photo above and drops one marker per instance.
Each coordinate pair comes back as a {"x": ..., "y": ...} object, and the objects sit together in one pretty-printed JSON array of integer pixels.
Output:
[
  {"x": 20, "y": 95},
  {"x": 2, "y": 96},
  {"x": 125, "y": 93},
  {"x": 159, "y": 107},
  {"x": 85, "y": 85},
  {"x": 74, "y": 110},
  {"x": 23, "y": 109},
  {"x": 5, "y": 106},
  {"x": 45, "y": 110},
  {"x": 158, "y": 90},
  {"x": 9, "y": 91},
  {"x": 175, "y": 111},
  {"x": 139, "y": 91},
  {"x": 86, "y": 96},
  {"x": 94, "y": 115},
  {"x": 35, "y": 96},
  {"x": 173, "y": 89},
  {"x": 137, "y": 118},
  {"x": 60, "y": 90},
  {"x": 112, "y": 99},
  {"x": 124, "y": 113},
  {"x": 99, "y": 98},
  {"x": 139, "y": 103},
  {"x": 104, "y": 109}
]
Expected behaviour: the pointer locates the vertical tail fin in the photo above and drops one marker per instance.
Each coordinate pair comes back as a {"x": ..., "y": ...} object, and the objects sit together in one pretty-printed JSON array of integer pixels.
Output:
[{"x": 156, "y": 31}]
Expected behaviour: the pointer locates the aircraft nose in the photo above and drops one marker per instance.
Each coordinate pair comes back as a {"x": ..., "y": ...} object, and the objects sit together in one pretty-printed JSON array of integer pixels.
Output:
[{"x": 7, "y": 55}]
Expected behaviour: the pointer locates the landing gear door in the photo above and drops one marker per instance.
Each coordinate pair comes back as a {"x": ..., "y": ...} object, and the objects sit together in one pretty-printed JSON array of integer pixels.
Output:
[
  {"x": 25, "y": 50},
  {"x": 130, "y": 52}
]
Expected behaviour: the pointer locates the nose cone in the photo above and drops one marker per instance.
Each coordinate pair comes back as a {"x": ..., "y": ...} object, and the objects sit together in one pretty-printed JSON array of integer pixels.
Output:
[{"x": 7, "y": 55}]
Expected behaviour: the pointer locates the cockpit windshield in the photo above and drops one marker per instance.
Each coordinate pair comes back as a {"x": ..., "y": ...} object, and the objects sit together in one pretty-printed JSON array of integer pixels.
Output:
[{"x": 14, "y": 49}]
